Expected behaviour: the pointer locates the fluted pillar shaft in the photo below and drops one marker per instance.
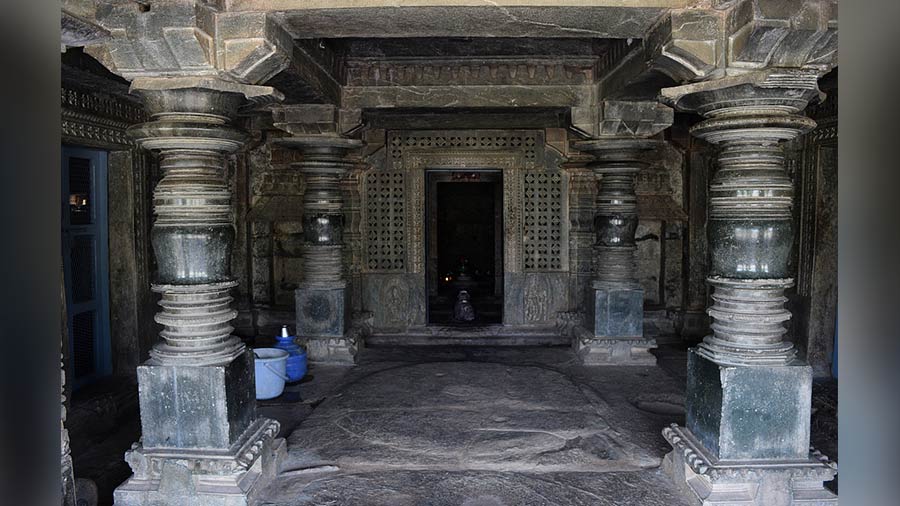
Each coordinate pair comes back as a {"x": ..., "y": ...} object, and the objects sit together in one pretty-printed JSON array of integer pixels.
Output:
[
  {"x": 750, "y": 223},
  {"x": 617, "y": 163},
  {"x": 323, "y": 312},
  {"x": 193, "y": 234}
]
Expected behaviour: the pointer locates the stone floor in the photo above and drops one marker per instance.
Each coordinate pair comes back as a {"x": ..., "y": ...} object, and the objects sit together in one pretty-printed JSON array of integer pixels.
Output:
[
  {"x": 480, "y": 426},
  {"x": 454, "y": 426}
]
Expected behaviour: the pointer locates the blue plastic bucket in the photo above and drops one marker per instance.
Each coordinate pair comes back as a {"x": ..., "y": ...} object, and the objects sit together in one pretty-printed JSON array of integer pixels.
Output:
[{"x": 270, "y": 372}]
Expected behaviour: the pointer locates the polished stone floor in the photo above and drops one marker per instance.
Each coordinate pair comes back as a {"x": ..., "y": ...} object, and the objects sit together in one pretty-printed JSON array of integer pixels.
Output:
[{"x": 477, "y": 426}]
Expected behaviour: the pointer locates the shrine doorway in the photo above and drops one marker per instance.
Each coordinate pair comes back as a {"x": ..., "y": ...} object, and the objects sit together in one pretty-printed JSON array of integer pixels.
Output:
[{"x": 464, "y": 246}]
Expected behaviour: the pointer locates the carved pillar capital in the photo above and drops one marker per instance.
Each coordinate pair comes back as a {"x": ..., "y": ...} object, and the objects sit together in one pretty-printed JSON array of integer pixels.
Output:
[{"x": 750, "y": 223}]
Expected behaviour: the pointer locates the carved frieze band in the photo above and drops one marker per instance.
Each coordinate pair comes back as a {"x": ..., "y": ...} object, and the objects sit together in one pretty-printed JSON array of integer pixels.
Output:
[
  {"x": 367, "y": 72},
  {"x": 97, "y": 119}
]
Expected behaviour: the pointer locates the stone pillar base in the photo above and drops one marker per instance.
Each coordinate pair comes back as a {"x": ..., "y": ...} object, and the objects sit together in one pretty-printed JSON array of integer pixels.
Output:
[
  {"x": 331, "y": 350},
  {"x": 618, "y": 310},
  {"x": 219, "y": 398},
  {"x": 706, "y": 481},
  {"x": 323, "y": 318},
  {"x": 749, "y": 412},
  {"x": 234, "y": 477},
  {"x": 622, "y": 351},
  {"x": 616, "y": 332}
]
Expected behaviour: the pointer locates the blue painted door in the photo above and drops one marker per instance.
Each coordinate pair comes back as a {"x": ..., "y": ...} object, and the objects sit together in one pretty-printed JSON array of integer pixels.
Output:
[{"x": 85, "y": 263}]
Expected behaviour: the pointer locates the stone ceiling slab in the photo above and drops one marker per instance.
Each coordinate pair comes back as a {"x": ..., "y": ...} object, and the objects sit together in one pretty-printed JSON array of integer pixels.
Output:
[{"x": 483, "y": 21}]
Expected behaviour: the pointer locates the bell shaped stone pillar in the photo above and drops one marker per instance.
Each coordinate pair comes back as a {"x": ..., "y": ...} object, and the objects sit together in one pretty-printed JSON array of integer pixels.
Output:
[
  {"x": 748, "y": 396},
  {"x": 614, "y": 331},
  {"x": 322, "y": 299},
  {"x": 202, "y": 440}
]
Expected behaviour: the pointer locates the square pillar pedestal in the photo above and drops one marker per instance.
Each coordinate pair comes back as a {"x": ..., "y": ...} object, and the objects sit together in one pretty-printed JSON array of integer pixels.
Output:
[
  {"x": 323, "y": 318},
  {"x": 616, "y": 327},
  {"x": 202, "y": 442},
  {"x": 747, "y": 437}
]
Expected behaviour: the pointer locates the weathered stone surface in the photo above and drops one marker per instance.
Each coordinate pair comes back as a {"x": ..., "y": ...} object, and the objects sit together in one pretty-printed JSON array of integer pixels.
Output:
[
  {"x": 749, "y": 412},
  {"x": 321, "y": 312},
  {"x": 618, "y": 310},
  {"x": 433, "y": 425},
  {"x": 483, "y": 20},
  {"x": 452, "y": 488},
  {"x": 705, "y": 481},
  {"x": 458, "y": 415},
  {"x": 213, "y": 400}
]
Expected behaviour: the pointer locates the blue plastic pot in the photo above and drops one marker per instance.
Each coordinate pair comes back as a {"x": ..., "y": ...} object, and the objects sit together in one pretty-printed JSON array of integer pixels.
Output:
[{"x": 296, "y": 362}]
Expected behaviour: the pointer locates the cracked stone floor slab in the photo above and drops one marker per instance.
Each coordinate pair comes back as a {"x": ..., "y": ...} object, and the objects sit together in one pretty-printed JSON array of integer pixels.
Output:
[{"x": 482, "y": 426}]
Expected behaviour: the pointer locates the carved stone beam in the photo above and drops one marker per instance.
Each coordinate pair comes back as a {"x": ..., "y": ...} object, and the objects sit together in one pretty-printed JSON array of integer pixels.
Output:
[
  {"x": 322, "y": 300},
  {"x": 198, "y": 375},
  {"x": 748, "y": 397},
  {"x": 730, "y": 38},
  {"x": 76, "y": 31},
  {"x": 187, "y": 38},
  {"x": 616, "y": 336}
]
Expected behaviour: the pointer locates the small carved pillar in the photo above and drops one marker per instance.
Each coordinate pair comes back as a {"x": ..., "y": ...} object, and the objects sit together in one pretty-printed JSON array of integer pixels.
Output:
[
  {"x": 748, "y": 397},
  {"x": 615, "y": 334},
  {"x": 202, "y": 440},
  {"x": 322, "y": 300}
]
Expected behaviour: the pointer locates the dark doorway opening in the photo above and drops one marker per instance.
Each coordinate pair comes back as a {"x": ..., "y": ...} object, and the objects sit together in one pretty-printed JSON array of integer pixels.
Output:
[
  {"x": 86, "y": 263},
  {"x": 465, "y": 247}
]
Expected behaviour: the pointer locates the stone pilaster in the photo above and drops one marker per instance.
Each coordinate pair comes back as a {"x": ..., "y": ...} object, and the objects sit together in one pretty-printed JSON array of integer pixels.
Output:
[
  {"x": 199, "y": 376},
  {"x": 748, "y": 397},
  {"x": 322, "y": 299},
  {"x": 614, "y": 332}
]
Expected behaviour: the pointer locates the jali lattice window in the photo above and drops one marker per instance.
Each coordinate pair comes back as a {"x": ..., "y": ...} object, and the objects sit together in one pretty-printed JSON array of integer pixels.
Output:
[
  {"x": 385, "y": 221},
  {"x": 543, "y": 220}
]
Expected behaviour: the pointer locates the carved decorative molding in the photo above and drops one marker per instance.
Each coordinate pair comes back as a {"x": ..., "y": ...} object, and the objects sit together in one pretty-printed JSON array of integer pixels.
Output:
[
  {"x": 102, "y": 105},
  {"x": 97, "y": 119},
  {"x": 433, "y": 72}
]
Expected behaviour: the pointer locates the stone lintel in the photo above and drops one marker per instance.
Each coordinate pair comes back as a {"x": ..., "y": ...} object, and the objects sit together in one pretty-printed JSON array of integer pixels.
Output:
[{"x": 703, "y": 480}]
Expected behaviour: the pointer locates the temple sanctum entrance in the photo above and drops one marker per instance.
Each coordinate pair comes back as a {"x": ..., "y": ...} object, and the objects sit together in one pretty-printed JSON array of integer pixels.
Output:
[{"x": 464, "y": 247}]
